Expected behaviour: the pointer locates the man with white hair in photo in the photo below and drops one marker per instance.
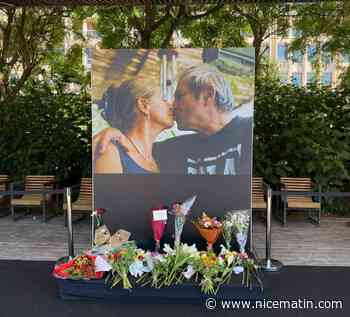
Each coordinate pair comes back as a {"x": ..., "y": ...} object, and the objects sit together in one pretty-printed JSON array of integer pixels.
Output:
[{"x": 203, "y": 103}]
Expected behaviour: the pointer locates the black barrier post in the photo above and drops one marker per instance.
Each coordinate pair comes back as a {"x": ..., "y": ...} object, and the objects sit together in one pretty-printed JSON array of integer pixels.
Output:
[
  {"x": 268, "y": 264},
  {"x": 70, "y": 222},
  {"x": 92, "y": 230}
]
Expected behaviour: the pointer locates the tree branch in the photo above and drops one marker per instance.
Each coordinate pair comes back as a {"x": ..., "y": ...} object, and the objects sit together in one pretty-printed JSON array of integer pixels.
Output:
[
  {"x": 133, "y": 20},
  {"x": 163, "y": 19},
  {"x": 173, "y": 26},
  {"x": 210, "y": 11},
  {"x": 7, "y": 34}
]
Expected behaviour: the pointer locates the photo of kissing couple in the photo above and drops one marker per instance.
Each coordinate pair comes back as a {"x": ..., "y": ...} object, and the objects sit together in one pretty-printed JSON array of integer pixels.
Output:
[{"x": 176, "y": 114}]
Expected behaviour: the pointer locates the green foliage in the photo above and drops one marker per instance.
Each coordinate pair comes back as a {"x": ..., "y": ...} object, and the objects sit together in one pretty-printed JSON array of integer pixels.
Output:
[
  {"x": 221, "y": 29},
  {"x": 302, "y": 132},
  {"x": 26, "y": 34},
  {"x": 65, "y": 69},
  {"x": 345, "y": 79},
  {"x": 264, "y": 19},
  {"x": 327, "y": 18},
  {"x": 115, "y": 29},
  {"x": 148, "y": 26},
  {"x": 46, "y": 131}
]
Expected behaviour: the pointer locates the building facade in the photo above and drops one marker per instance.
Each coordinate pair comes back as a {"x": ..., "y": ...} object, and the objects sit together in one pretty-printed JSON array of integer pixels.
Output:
[
  {"x": 296, "y": 67},
  {"x": 304, "y": 67}
]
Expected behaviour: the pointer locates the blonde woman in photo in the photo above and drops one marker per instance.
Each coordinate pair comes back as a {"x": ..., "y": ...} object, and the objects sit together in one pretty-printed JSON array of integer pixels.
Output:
[{"x": 137, "y": 109}]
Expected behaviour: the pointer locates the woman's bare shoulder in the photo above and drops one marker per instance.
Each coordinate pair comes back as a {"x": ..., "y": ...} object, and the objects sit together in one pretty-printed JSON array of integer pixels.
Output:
[{"x": 109, "y": 161}]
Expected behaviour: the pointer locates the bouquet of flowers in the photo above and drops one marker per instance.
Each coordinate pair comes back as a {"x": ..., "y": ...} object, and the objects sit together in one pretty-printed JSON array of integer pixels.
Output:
[
  {"x": 168, "y": 268},
  {"x": 143, "y": 263},
  {"x": 97, "y": 214},
  {"x": 81, "y": 267},
  {"x": 240, "y": 224},
  {"x": 120, "y": 261},
  {"x": 216, "y": 270},
  {"x": 180, "y": 211},
  {"x": 228, "y": 229},
  {"x": 158, "y": 220},
  {"x": 208, "y": 267},
  {"x": 209, "y": 228}
]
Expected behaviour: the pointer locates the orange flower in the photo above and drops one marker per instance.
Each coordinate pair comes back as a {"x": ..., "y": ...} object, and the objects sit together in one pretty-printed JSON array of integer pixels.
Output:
[{"x": 123, "y": 252}]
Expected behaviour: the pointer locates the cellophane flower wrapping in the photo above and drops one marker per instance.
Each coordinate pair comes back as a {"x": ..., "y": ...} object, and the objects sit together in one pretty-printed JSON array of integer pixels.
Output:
[
  {"x": 158, "y": 227},
  {"x": 120, "y": 260},
  {"x": 210, "y": 228},
  {"x": 81, "y": 267},
  {"x": 240, "y": 220},
  {"x": 180, "y": 211}
]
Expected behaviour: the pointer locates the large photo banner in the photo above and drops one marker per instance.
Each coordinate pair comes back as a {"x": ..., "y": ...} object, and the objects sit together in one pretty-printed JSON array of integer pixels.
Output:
[{"x": 169, "y": 124}]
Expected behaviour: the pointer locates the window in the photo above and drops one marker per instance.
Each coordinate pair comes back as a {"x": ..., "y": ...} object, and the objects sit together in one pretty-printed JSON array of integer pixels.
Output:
[
  {"x": 311, "y": 77},
  {"x": 296, "y": 79},
  {"x": 60, "y": 50},
  {"x": 297, "y": 56},
  {"x": 282, "y": 52},
  {"x": 92, "y": 34},
  {"x": 327, "y": 79},
  {"x": 311, "y": 53},
  {"x": 295, "y": 32},
  {"x": 344, "y": 58},
  {"x": 87, "y": 57},
  {"x": 283, "y": 78},
  {"x": 326, "y": 58}
]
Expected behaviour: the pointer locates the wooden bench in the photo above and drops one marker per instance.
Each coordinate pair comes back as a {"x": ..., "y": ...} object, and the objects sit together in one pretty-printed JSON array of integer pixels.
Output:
[
  {"x": 4, "y": 200},
  {"x": 299, "y": 203},
  {"x": 33, "y": 183},
  {"x": 258, "y": 194},
  {"x": 83, "y": 204}
]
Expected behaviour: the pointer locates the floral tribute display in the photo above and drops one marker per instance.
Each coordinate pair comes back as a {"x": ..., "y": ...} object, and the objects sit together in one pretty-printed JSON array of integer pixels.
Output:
[
  {"x": 180, "y": 212},
  {"x": 81, "y": 267},
  {"x": 209, "y": 228},
  {"x": 236, "y": 223},
  {"x": 122, "y": 263},
  {"x": 97, "y": 214},
  {"x": 159, "y": 218}
]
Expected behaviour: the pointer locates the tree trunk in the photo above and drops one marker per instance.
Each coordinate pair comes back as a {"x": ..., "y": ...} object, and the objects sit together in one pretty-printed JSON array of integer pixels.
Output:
[
  {"x": 145, "y": 40},
  {"x": 257, "y": 43}
]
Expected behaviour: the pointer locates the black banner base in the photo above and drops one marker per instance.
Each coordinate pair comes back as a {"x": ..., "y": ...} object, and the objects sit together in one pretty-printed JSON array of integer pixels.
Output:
[{"x": 188, "y": 293}]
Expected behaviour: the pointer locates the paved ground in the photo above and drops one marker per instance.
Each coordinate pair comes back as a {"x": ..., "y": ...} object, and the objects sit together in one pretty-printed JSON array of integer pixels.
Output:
[
  {"x": 302, "y": 243},
  {"x": 299, "y": 243},
  {"x": 29, "y": 239}
]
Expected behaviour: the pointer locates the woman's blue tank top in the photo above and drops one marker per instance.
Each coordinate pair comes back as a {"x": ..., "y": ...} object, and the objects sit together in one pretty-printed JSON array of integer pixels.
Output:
[{"x": 128, "y": 164}]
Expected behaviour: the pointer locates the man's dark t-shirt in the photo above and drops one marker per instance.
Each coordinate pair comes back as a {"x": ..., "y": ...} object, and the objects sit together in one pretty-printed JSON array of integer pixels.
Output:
[{"x": 227, "y": 152}]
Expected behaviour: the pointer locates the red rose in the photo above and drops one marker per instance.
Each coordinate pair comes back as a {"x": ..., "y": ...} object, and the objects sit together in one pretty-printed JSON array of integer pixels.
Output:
[{"x": 100, "y": 211}]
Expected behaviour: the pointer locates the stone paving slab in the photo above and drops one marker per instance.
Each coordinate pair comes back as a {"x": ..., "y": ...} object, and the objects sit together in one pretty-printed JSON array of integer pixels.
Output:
[{"x": 298, "y": 243}]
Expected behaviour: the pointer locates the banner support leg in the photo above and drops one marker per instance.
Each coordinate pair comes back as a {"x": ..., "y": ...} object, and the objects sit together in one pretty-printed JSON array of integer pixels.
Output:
[
  {"x": 268, "y": 264},
  {"x": 70, "y": 222}
]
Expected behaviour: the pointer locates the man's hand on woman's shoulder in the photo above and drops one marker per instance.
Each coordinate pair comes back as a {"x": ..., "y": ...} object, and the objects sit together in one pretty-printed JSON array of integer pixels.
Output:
[{"x": 102, "y": 139}]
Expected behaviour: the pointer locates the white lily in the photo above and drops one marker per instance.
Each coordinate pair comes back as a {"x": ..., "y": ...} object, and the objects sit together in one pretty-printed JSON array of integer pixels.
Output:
[
  {"x": 158, "y": 258},
  {"x": 189, "y": 249},
  {"x": 238, "y": 269},
  {"x": 223, "y": 250},
  {"x": 230, "y": 259},
  {"x": 189, "y": 272},
  {"x": 168, "y": 249}
]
